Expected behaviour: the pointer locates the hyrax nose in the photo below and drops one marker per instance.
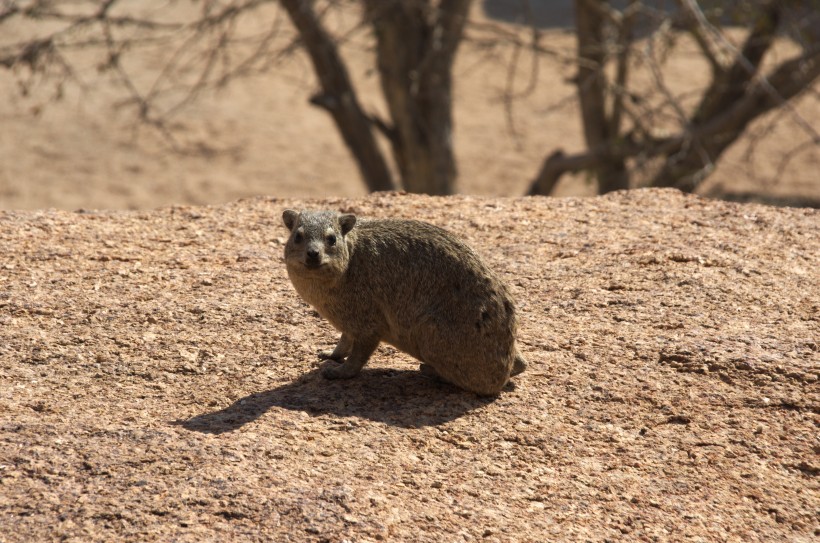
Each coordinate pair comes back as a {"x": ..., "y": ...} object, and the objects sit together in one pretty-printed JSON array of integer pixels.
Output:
[{"x": 312, "y": 254}]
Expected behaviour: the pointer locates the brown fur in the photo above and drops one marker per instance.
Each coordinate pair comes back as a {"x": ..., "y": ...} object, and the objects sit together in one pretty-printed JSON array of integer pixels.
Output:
[{"x": 410, "y": 284}]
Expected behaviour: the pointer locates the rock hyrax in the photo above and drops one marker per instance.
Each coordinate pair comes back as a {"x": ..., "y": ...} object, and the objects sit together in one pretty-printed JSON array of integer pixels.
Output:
[{"x": 410, "y": 284}]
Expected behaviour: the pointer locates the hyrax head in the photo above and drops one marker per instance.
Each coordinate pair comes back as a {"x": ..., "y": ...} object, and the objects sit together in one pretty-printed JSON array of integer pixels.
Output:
[{"x": 317, "y": 242}]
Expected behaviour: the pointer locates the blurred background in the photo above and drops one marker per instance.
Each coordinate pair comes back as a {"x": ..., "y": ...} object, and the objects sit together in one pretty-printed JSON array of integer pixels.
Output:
[{"x": 131, "y": 104}]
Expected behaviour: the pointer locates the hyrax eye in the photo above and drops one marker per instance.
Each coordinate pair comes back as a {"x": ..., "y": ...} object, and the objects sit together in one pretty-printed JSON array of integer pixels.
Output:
[
  {"x": 298, "y": 237},
  {"x": 331, "y": 240}
]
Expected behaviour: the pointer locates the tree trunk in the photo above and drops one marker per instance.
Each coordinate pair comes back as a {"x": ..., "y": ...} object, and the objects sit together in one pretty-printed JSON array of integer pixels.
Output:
[
  {"x": 592, "y": 91},
  {"x": 416, "y": 47},
  {"x": 338, "y": 96}
]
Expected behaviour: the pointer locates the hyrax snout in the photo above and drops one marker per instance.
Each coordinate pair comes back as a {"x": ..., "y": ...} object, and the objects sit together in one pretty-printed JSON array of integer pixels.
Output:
[{"x": 407, "y": 283}]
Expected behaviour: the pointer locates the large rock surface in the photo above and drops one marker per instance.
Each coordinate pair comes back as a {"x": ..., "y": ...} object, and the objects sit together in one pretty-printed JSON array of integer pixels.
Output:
[{"x": 158, "y": 381}]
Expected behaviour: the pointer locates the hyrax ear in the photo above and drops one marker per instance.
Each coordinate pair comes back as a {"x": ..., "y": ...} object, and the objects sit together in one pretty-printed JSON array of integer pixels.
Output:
[
  {"x": 289, "y": 217},
  {"x": 347, "y": 222}
]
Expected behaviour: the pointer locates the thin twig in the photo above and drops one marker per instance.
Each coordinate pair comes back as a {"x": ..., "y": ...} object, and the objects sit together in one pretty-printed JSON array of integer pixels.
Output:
[{"x": 763, "y": 81}]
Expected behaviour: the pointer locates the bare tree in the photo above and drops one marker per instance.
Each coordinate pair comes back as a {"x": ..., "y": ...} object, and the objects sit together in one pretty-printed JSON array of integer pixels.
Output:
[
  {"x": 415, "y": 40},
  {"x": 42, "y": 38},
  {"x": 621, "y": 124},
  {"x": 415, "y": 43}
]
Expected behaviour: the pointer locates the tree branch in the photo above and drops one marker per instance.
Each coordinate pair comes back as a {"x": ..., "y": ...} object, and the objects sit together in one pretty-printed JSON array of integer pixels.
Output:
[
  {"x": 730, "y": 84},
  {"x": 341, "y": 100},
  {"x": 699, "y": 29},
  {"x": 625, "y": 27}
]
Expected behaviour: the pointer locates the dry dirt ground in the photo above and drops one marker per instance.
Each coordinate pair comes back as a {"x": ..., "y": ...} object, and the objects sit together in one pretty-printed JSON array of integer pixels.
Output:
[{"x": 158, "y": 381}]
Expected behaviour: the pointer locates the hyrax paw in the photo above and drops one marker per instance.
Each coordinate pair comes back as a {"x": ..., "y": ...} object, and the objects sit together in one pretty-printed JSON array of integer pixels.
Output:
[
  {"x": 334, "y": 370},
  {"x": 327, "y": 355},
  {"x": 428, "y": 371}
]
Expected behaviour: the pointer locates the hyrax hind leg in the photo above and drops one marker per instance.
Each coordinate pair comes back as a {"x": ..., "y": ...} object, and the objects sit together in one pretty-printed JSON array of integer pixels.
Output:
[
  {"x": 342, "y": 350},
  {"x": 429, "y": 371},
  {"x": 519, "y": 364},
  {"x": 360, "y": 352}
]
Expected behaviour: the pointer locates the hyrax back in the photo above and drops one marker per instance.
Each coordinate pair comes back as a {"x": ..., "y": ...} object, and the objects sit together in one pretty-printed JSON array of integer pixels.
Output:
[{"x": 407, "y": 283}]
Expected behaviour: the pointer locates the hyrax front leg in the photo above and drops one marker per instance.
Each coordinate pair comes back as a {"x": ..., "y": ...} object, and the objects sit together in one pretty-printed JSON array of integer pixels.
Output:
[
  {"x": 429, "y": 371},
  {"x": 359, "y": 354},
  {"x": 341, "y": 351}
]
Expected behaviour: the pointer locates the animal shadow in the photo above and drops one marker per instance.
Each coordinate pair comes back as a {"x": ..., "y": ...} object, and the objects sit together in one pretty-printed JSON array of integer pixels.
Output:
[{"x": 399, "y": 398}]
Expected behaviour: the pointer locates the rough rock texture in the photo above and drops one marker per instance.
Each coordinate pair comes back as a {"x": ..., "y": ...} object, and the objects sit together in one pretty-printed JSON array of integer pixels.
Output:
[{"x": 158, "y": 381}]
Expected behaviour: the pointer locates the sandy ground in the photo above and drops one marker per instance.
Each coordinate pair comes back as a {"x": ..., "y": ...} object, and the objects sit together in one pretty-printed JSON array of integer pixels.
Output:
[
  {"x": 259, "y": 136},
  {"x": 158, "y": 381}
]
